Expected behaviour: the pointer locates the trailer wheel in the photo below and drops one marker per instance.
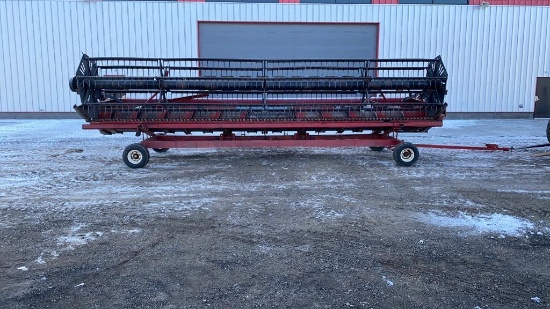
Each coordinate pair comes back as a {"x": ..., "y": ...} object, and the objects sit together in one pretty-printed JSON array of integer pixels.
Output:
[
  {"x": 548, "y": 131},
  {"x": 405, "y": 154},
  {"x": 377, "y": 148},
  {"x": 135, "y": 156},
  {"x": 160, "y": 150}
]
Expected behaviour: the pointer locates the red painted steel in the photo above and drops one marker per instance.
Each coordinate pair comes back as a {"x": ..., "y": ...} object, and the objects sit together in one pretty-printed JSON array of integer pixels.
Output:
[
  {"x": 487, "y": 147},
  {"x": 512, "y": 2},
  {"x": 263, "y": 125},
  {"x": 296, "y": 140}
]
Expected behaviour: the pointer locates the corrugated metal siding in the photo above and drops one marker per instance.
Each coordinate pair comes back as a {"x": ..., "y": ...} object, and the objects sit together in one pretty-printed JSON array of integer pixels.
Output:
[{"x": 493, "y": 54}]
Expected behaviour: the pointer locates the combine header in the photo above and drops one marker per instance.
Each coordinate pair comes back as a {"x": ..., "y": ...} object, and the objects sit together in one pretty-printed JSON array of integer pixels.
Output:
[{"x": 184, "y": 103}]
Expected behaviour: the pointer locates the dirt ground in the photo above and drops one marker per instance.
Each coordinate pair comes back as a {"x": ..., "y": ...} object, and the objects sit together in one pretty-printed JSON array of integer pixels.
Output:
[{"x": 280, "y": 228}]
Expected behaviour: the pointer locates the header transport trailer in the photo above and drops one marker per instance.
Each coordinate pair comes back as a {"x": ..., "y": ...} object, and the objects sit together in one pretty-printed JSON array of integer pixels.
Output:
[{"x": 191, "y": 103}]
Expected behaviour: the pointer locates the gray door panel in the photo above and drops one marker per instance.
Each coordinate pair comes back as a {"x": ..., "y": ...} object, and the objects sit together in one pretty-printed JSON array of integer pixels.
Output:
[
  {"x": 542, "y": 106},
  {"x": 287, "y": 40}
]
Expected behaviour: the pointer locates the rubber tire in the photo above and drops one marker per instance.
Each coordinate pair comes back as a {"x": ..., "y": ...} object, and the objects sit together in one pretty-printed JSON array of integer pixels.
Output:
[
  {"x": 405, "y": 154},
  {"x": 136, "y": 156},
  {"x": 160, "y": 150},
  {"x": 377, "y": 148},
  {"x": 548, "y": 131}
]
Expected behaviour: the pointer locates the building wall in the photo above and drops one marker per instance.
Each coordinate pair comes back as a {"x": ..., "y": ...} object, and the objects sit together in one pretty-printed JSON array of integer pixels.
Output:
[
  {"x": 493, "y": 54},
  {"x": 461, "y": 2}
]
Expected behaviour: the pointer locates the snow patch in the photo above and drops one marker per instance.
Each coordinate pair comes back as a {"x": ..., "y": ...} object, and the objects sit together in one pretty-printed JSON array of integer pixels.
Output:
[
  {"x": 525, "y": 191},
  {"x": 535, "y": 299},
  {"x": 264, "y": 249},
  {"x": 388, "y": 282},
  {"x": 127, "y": 231},
  {"x": 40, "y": 260},
  {"x": 23, "y": 268},
  {"x": 75, "y": 239},
  {"x": 320, "y": 209},
  {"x": 540, "y": 194},
  {"x": 324, "y": 214},
  {"x": 457, "y": 124},
  {"x": 448, "y": 201},
  {"x": 488, "y": 223}
]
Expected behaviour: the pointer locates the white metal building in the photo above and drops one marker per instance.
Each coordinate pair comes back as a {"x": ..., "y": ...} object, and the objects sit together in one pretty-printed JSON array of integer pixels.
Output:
[{"x": 494, "y": 54}]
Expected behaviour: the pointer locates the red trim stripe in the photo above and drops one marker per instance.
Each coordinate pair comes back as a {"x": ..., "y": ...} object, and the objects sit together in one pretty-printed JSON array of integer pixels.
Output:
[{"x": 512, "y": 2}]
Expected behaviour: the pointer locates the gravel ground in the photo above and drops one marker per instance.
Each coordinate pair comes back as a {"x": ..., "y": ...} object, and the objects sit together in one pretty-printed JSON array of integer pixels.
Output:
[{"x": 282, "y": 228}]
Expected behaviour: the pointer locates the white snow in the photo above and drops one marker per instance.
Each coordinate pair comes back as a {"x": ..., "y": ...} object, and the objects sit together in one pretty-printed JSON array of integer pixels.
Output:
[
  {"x": 74, "y": 238},
  {"x": 457, "y": 124},
  {"x": 479, "y": 224},
  {"x": 23, "y": 268},
  {"x": 524, "y": 191},
  {"x": 127, "y": 231},
  {"x": 321, "y": 207},
  {"x": 388, "y": 282},
  {"x": 40, "y": 260},
  {"x": 535, "y": 299},
  {"x": 539, "y": 194}
]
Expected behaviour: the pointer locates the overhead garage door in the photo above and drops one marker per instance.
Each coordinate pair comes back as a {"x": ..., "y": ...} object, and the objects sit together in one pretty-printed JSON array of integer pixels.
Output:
[{"x": 288, "y": 40}]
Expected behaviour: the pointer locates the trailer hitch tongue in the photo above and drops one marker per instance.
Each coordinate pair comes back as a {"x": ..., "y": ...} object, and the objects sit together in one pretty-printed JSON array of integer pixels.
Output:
[
  {"x": 534, "y": 146},
  {"x": 489, "y": 147}
]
